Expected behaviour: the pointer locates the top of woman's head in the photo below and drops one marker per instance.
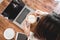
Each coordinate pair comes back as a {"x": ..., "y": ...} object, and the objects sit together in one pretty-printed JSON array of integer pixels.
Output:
[
  {"x": 54, "y": 18},
  {"x": 48, "y": 27}
]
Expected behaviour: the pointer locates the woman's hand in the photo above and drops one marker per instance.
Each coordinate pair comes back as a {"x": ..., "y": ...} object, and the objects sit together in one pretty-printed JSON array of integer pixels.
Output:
[{"x": 26, "y": 27}]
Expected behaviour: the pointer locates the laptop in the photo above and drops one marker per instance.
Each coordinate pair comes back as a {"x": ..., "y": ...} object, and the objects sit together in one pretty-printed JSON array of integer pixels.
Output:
[
  {"x": 17, "y": 12},
  {"x": 22, "y": 15}
]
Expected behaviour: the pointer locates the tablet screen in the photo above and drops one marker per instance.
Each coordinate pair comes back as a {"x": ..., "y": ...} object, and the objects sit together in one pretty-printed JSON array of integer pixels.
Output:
[{"x": 21, "y": 37}]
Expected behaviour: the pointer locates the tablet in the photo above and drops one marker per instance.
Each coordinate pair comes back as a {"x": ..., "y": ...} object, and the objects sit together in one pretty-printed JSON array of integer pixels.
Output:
[{"x": 21, "y": 36}]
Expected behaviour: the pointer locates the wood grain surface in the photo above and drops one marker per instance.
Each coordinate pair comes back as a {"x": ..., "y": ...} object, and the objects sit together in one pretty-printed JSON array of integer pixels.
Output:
[
  {"x": 44, "y": 5},
  {"x": 4, "y": 24}
]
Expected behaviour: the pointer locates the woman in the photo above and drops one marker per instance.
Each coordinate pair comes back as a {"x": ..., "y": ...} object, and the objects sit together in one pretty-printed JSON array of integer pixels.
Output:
[{"x": 48, "y": 28}]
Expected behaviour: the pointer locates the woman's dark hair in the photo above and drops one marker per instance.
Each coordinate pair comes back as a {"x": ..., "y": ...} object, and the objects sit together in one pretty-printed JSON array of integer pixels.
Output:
[{"x": 48, "y": 27}]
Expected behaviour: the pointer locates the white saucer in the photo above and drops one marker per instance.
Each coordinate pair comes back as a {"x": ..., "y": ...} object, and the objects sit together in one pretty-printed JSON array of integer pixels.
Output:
[{"x": 9, "y": 33}]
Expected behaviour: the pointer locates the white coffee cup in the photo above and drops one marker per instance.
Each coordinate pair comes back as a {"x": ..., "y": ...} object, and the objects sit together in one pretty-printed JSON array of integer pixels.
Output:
[{"x": 31, "y": 19}]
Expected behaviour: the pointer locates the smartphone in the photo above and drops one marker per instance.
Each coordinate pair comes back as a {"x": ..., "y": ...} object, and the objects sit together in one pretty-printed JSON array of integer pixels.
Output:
[{"x": 21, "y": 36}]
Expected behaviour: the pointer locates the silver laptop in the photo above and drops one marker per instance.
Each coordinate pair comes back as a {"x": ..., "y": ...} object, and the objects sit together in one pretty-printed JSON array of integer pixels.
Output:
[{"x": 22, "y": 15}]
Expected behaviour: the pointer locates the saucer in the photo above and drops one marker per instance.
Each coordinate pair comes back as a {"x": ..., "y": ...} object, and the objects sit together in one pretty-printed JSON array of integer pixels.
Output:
[{"x": 9, "y": 33}]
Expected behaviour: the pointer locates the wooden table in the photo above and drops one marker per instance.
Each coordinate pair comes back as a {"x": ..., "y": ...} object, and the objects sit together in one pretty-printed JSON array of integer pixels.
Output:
[
  {"x": 4, "y": 24},
  {"x": 44, "y": 5}
]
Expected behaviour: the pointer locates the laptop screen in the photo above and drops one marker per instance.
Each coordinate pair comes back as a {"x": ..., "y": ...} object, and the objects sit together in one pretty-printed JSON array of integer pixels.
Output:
[{"x": 13, "y": 9}]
